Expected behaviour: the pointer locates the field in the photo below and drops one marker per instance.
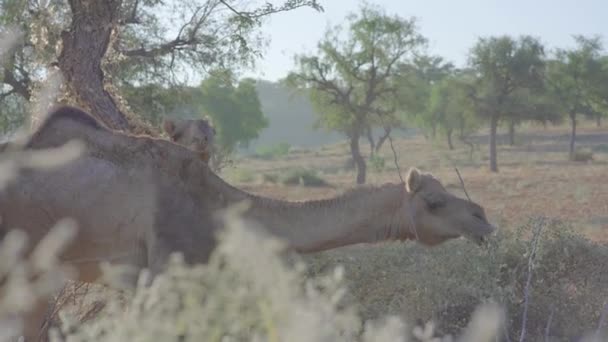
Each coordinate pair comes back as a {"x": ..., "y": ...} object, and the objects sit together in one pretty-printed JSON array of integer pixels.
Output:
[{"x": 535, "y": 180}]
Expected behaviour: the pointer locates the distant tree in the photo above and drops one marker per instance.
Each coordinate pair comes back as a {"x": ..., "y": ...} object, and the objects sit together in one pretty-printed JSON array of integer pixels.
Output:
[
  {"x": 452, "y": 109},
  {"x": 600, "y": 92},
  {"x": 235, "y": 111},
  {"x": 416, "y": 82},
  {"x": 351, "y": 79},
  {"x": 504, "y": 66},
  {"x": 100, "y": 44},
  {"x": 574, "y": 76}
]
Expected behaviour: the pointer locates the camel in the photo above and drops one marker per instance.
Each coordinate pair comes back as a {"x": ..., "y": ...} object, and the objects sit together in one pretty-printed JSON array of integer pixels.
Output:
[
  {"x": 137, "y": 199},
  {"x": 196, "y": 134}
]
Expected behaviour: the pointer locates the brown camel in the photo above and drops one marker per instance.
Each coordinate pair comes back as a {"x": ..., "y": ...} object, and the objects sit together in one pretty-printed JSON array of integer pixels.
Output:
[
  {"x": 195, "y": 134},
  {"x": 137, "y": 199}
]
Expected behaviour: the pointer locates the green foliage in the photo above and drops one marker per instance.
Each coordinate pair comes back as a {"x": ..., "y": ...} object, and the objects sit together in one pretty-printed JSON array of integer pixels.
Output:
[
  {"x": 377, "y": 162},
  {"x": 575, "y": 78},
  {"x": 273, "y": 151},
  {"x": 303, "y": 177},
  {"x": 505, "y": 68},
  {"x": 12, "y": 114},
  {"x": 153, "y": 42},
  {"x": 234, "y": 108},
  {"x": 351, "y": 79}
]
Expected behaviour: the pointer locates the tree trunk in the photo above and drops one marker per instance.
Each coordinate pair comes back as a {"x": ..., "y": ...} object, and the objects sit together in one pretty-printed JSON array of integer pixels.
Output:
[
  {"x": 512, "y": 134},
  {"x": 471, "y": 146},
  {"x": 383, "y": 138},
  {"x": 370, "y": 139},
  {"x": 358, "y": 158},
  {"x": 84, "y": 47},
  {"x": 598, "y": 121},
  {"x": 449, "y": 136},
  {"x": 493, "y": 129},
  {"x": 572, "y": 134}
]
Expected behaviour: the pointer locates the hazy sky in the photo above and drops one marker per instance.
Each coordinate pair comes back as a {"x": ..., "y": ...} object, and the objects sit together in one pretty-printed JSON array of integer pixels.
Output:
[{"x": 452, "y": 26}]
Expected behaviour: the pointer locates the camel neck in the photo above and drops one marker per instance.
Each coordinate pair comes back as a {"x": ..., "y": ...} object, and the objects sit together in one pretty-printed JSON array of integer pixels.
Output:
[{"x": 363, "y": 215}]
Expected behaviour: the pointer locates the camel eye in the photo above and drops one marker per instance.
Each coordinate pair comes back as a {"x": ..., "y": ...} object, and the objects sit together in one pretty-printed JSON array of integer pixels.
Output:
[{"x": 433, "y": 205}]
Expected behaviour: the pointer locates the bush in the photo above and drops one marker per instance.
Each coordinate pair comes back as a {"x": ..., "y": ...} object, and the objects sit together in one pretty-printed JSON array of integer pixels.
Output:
[
  {"x": 377, "y": 162},
  {"x": 241, "y": 175},
  {"x": 273, "y": 151},
  {"x": 582, "y": 155},
  {"x": 303, "y": 177},
  {"x": 446, "y": 283}
]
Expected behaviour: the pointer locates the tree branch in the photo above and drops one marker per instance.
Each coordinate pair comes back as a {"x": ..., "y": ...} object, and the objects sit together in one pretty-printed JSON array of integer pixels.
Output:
[{"x": 269, "y": 9}]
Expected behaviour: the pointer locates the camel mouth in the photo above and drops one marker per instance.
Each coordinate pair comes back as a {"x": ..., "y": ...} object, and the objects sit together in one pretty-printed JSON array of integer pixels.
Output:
[{"x": 481, "y": 239}]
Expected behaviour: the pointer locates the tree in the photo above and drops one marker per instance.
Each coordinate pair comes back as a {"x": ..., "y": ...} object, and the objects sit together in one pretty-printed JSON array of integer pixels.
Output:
[
  {"x": 503, "y": 66},
  {"x": 97, "y": 44},
  {"x": 451, "y": 108},
  {"x": 351, "y": 80},
  {"x": 416, "y": 83},
  {"x": 235, "y": 110},
  {"x": 573, "y": 77},
  {"x": 233, "y": 107}
]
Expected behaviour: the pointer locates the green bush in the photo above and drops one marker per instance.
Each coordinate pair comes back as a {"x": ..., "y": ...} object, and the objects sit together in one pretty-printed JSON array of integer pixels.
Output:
[
  {"x": 377, "y": 163},
  {"x": 303, "y": 177},
  {"x": 273, "y": 151}
]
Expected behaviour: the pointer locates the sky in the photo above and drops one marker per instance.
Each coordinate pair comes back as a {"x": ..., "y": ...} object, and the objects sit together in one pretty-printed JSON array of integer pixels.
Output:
[{"x": 451, "y": 26}]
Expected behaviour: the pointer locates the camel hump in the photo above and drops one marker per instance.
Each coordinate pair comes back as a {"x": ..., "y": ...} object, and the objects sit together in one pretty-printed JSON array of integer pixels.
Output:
[{"x": 73, "y": 114}]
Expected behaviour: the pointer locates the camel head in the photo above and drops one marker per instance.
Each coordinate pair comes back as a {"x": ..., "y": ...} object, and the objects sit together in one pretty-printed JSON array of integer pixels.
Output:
[
  {"x": 438, "y": 215},
  {"x": 195, "y": 134}
]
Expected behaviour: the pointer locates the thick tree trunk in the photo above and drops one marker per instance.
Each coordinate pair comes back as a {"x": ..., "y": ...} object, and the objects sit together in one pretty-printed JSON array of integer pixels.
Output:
[
  {"x": 84, "y": 47},
  {"x": 572, "y": 134},
  {"x": 493, "y": 129},
  {"x": 448, "y": 134},
  {"x": 370, "y": 139},
  {"x": 598, "y": 121},
  {"x": 512, "y": 134},
  {"x": 358, "y": 158},
  {"x": 383, "y": 138}
]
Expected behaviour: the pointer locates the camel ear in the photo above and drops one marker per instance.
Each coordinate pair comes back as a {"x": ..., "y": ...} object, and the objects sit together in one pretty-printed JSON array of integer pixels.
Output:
[
  {"x": 169, "y": 126},
  {"x": 413, "y": 180}
]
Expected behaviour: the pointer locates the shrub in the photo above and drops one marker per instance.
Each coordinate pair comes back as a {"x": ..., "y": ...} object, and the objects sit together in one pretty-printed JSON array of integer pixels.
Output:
[
  {"x": 377, "y": 163},
  {"x": 242, "y": 175},
  {"x": 446, "y": 283},
  {"x": 303, "y": 177},
  {"x": 582, "y": 155},
  {"x": 270, "y": 178},
  {"x": 273, "y": 151}
]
